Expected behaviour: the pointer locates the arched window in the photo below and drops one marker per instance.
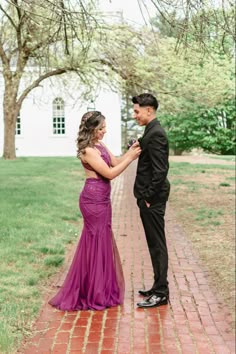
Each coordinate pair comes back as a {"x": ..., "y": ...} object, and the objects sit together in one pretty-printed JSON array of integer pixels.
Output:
[
  {"x": 18, "y": 125},
  {"x": 58, "y": 116}
]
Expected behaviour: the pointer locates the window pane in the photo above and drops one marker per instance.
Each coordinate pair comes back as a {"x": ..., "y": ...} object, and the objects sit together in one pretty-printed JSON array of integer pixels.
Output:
[
  {"x": 58, "y": 116},
  {"x": 18, "y": 126}
]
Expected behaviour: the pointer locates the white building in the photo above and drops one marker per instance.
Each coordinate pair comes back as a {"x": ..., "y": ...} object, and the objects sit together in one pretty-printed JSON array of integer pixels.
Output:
[{"x": 50, "y": 117}]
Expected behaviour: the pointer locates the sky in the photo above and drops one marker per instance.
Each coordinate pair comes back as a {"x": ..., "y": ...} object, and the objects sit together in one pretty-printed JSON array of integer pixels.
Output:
[{"x": 130, "y": 8}]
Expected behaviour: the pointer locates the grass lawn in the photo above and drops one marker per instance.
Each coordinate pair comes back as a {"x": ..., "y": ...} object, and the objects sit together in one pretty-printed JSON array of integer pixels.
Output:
[
  {"x": 38, "y": 219},
  {"x": 222, "y": 157},
  {"x": 203, "y": 199}
]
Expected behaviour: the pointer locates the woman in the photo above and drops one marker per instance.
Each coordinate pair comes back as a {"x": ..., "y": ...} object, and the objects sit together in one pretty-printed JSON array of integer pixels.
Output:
[{"x": 95, "y": 278}]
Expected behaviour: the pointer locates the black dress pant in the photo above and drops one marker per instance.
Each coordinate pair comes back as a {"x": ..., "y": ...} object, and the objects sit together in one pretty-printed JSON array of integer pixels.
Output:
[{"x": 154, "y": 226}]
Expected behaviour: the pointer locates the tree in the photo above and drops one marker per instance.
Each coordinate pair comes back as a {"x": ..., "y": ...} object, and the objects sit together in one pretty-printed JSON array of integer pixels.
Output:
[
  {"x": 187, "y": 84},
  {"x": 197, "y": 21},
  {"x": 53, "y": 37},
  {"x": 202, "y": 87},
  {"x": 218, "y": 125}
]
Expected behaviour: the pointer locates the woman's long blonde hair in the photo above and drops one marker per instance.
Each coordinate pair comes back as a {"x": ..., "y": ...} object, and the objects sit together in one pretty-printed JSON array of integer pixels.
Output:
[{"x": 90, "y": 123}]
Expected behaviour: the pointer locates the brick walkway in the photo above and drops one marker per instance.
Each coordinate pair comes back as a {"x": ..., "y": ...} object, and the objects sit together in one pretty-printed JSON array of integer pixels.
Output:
[{"x": 193, "y": 322}]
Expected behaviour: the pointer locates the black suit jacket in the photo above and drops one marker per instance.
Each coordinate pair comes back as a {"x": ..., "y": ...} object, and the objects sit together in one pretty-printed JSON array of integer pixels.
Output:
[{"x": 151, "y": 183}]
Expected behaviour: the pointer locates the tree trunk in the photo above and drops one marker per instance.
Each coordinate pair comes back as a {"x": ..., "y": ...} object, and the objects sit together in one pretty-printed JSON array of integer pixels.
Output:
[
  {"x": 178, "y": 152},
  {"x": 126, "y": 121},
  {"x": 10, "y": 112},
  {"x": 9, "y": 150}
]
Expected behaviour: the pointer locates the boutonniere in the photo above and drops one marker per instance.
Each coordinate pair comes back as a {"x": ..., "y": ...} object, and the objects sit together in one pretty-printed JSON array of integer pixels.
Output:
[
  {"x": 132, "y": 141},
  {"x": 140, "y": 140}
]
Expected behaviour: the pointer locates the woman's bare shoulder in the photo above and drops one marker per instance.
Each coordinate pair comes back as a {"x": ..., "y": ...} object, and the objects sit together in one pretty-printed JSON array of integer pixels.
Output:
[{"x": 91, "y": 151}]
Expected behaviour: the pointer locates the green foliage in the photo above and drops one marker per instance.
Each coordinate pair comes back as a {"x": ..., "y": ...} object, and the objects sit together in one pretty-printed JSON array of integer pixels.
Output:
[
  {"x": 212, "y": 130},
  {"x": 182, "y": 132},
  {"x": 218, "y": 126},
  {"x": 195, "y": 91},
  {"x": 195, "y": 94}
]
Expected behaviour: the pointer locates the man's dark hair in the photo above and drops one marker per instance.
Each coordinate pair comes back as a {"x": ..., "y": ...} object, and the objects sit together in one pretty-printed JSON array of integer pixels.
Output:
[{"x": 146, "y": 99}]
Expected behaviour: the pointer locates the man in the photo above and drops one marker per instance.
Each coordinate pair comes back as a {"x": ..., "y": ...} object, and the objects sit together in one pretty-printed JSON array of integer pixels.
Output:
[{"x": 151, "y": 189}]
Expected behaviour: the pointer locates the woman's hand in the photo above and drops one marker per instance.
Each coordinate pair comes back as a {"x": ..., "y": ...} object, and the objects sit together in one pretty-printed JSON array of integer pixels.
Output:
[
  {"x": 134, "y": 151},
  {"x": 135, "y": 144}
]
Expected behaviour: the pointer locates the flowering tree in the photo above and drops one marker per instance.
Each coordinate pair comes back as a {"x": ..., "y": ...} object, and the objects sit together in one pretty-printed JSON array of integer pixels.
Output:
[{"x": 52, "y": 36}]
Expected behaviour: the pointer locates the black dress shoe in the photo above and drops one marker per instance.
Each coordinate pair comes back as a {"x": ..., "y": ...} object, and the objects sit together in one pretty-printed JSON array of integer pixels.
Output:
[
  {"x": 153, "y": 301},
  {"x": 146, "y": 292}
]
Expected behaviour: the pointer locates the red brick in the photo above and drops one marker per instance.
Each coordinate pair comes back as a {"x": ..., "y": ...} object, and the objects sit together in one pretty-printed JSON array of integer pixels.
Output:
[
  {"x": 94, "y": 337},
  {"x": 50, "y": 333},
  {"x": 108, "y": 342},
  {"x": 77, "y": 343},
  {"x": 62, "y": 337},
  {"x": 81, "y": 322},
  {"x": 91, "y": 348},
  {"x": 79, "y": 332},
  {"x": 59, "y": 349},
  {"x": 66, "y": 326}
]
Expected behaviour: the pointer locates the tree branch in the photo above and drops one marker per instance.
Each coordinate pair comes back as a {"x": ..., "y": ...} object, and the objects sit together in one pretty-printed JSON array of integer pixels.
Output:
[
  {"x": 18, "y": 28},
  {"x": 9, "y": 17},
  {"x": 40, "y": 79},
  {"x": 112, "y": 67},
  {"x": 4, "y": 58}
]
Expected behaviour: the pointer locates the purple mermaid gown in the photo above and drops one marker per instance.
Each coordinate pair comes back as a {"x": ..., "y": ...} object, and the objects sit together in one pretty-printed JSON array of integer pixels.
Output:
[{"x": 95, "y": 279}]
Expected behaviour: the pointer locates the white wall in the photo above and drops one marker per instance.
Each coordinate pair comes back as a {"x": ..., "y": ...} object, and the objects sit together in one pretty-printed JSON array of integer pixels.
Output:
[
  {"x": 109, "y": 104},
  {"x": 37, "y": 137}
]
